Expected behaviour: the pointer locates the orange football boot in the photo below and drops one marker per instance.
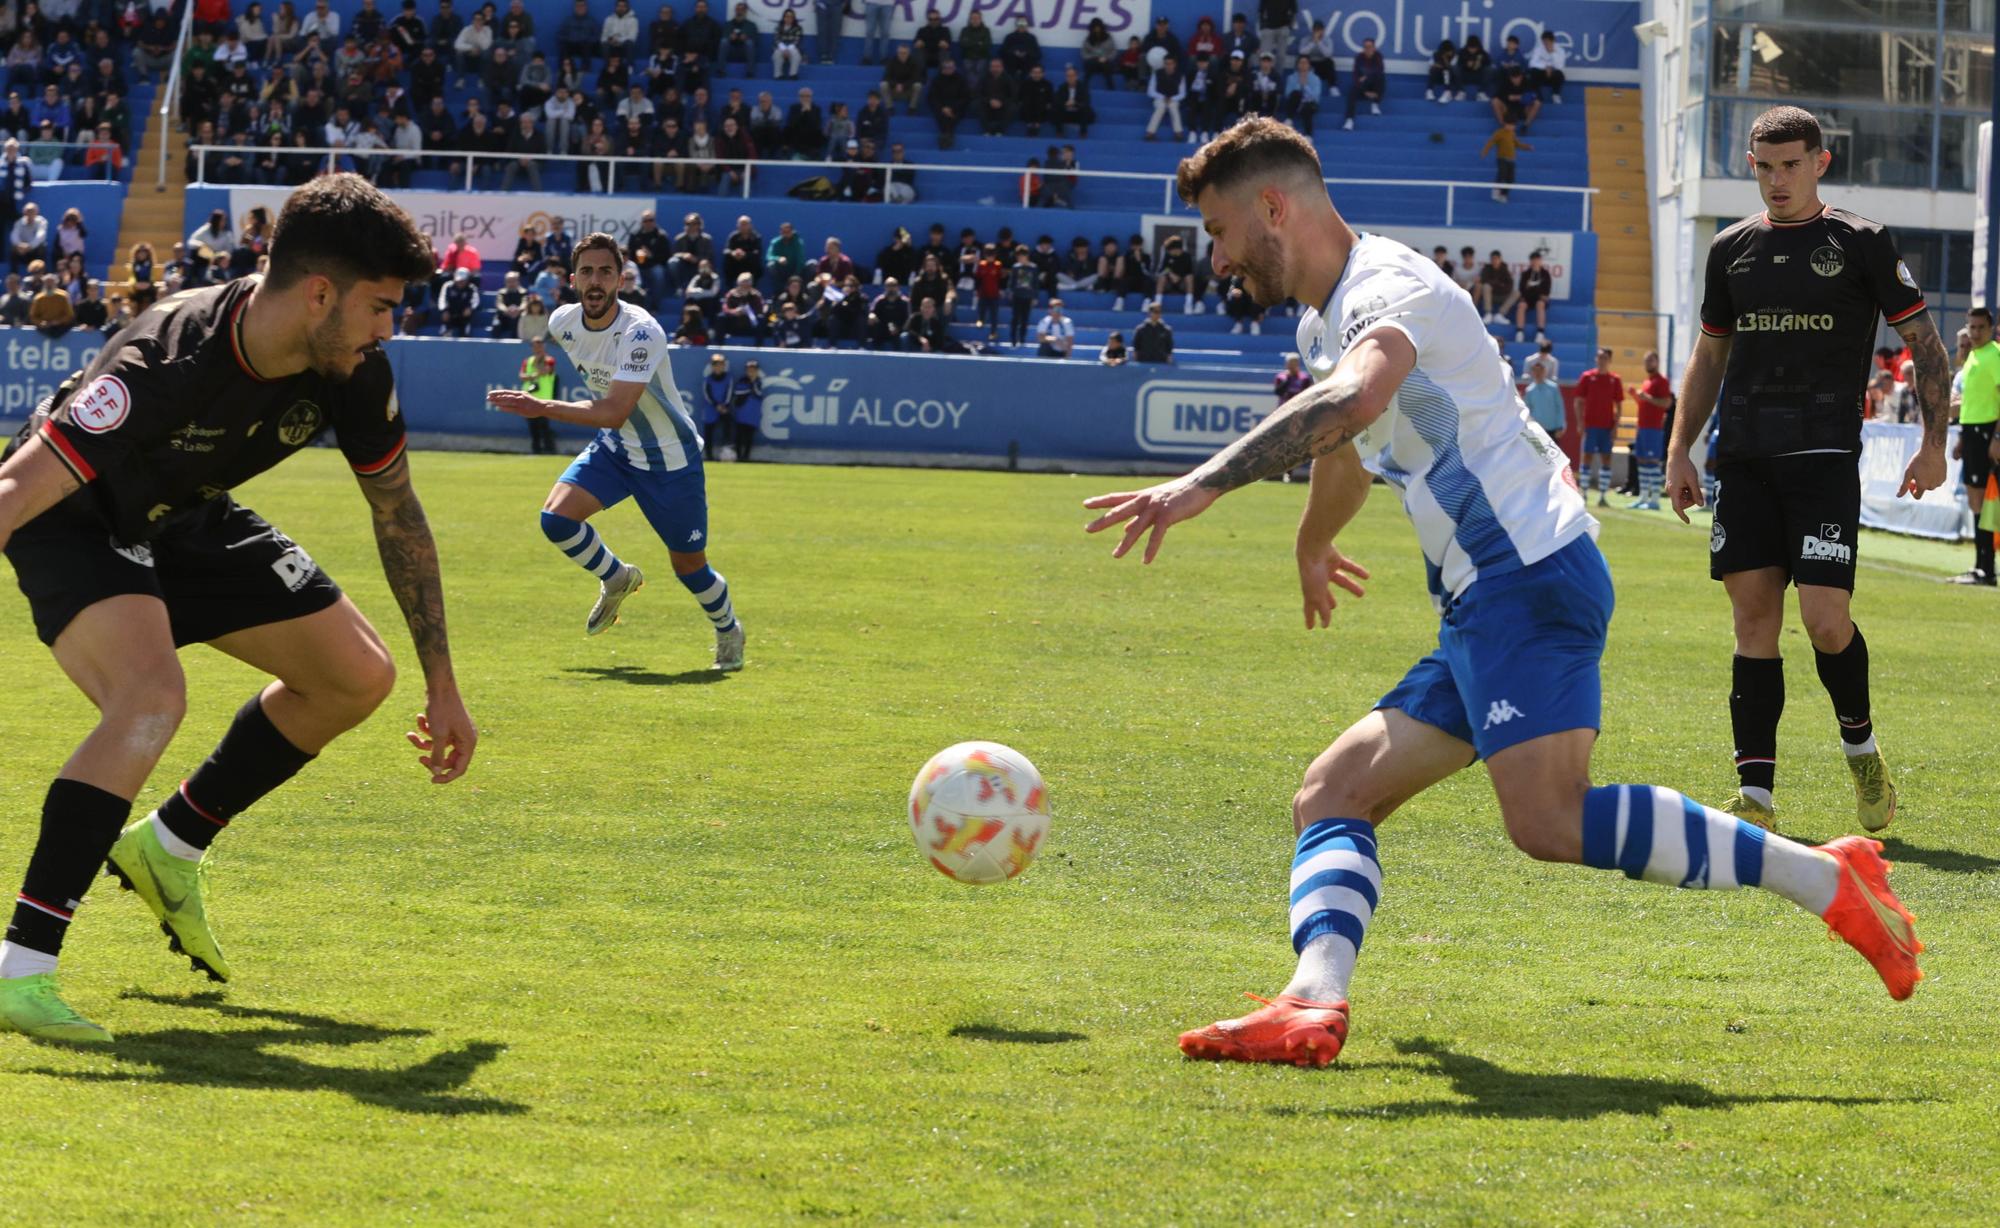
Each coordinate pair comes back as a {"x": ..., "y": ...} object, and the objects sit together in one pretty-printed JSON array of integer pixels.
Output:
[
  {"x": 1291, "y": 1029},
  {"x": 1868, "y": 916}
]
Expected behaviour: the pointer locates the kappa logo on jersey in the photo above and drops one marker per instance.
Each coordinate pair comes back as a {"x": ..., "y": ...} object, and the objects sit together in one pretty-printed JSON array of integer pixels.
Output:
[
  {"x": 1828, "y": 261},
  {"x": 1827, "y": 546},
  {"x": 103, "y": 406},
  {"x": 1501, "y": 712},
  {"x": 568, "y": 336}
]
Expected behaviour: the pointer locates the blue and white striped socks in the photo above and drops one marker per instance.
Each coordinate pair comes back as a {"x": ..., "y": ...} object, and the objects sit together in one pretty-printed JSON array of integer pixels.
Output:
[
  {"x": 712, "y": 591},
  {"x": 578, "y": 540},
  {"x": 1666, "y": 837},
  {"x": 1336, "y": 881}
]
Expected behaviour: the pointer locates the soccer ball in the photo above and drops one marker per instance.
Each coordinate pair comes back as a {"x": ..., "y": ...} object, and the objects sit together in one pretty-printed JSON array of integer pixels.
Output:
[{"x": 978, "y": 811}]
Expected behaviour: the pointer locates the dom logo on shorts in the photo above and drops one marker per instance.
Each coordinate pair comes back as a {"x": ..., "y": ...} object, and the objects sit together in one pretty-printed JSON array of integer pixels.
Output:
[
  {"x": 103, "y": 406},
  {"x": 1826, "y": 547},
  {"x": 295, "y": 567}
]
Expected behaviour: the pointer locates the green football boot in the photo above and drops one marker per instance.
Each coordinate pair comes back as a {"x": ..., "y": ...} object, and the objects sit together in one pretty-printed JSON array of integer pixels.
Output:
[
  {"x": 28, "y": 1004},
  {"x": 1751, "y": 811},
  {"x": 172, "y": 888},
  {"x": 1874, "y": 792}
]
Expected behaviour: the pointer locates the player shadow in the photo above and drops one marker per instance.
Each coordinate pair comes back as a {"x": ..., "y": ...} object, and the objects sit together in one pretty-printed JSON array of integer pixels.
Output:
[
  {"x": 635, "y": 676},
  {"x": 1012, "y": 1036},
  {"x": 1950, "y": 861},
  {"x": 1493, "y": 1091},
  {"x": 248, "y": 1058}
]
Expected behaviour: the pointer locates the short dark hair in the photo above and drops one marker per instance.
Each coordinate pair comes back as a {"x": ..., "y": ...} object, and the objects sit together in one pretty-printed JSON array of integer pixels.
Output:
[
  {"x": 1783, "y": 125},
  {"x": 1255, "y": 148},
  {"x": 343, "y": 228},
  {"x": 1982, "y": 313},
  {"x": 597, "y": 240}
]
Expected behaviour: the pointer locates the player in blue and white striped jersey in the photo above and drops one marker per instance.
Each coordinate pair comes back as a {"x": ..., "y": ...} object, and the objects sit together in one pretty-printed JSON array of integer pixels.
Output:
[
  {"x": 647, "y": 447},
  {"x": 1408, "y": 388}
]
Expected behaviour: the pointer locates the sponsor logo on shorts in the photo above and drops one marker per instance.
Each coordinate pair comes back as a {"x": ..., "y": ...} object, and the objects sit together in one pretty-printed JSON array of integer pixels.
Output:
[
  {"x": 1828, "y": 262},
  {"x": 103, "y": 406},
  {"x": 1501, "y": 712},
  {"x": 1717, "y": 538},
  {"x": 296, "y": 568},
  {"x": 1827, "y": 547},
  {"x": 140, "y": 554}
]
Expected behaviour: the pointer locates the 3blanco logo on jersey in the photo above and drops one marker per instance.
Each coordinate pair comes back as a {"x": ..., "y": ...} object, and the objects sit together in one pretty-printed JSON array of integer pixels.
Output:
[
  {"x": 103, "y": 406},
  {"x": 1501, "y": 712}
]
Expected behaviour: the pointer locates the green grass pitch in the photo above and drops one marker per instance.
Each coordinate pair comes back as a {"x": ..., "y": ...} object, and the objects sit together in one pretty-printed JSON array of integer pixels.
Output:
[{"x": 668, "y": 955}]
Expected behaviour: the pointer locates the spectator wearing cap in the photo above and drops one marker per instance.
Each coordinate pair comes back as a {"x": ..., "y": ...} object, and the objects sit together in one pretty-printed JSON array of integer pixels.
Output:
[
  {"x": 1166, "y": 88},
  {"x": 1161, "y": 37},
  {"x": 903, "y": 77},
  {"x": 1056, "y": 333},
  {"x": 1266, "y": 87},
  {"x": 1545, "y": 66},
  {"x": 461, "y": 302},
  {"x": 1369, "y": 83},
  {"x": 1021, "y": 50},
  {"x": 1153, "y": 340},
  {"x": 862, "y": 182},
  {"x": 950, "y": 99},
  {"x": 739, "y": 40}
]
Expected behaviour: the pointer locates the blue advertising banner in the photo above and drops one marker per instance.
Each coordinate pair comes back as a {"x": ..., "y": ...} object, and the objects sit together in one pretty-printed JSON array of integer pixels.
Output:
[{"x": 1886, "y": 449}]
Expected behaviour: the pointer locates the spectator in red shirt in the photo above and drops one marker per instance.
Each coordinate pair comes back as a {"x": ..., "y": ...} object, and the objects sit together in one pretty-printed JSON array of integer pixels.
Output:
[
  {"x": 1649, "y": 447},
  {"x": 989, "y": 276},
  {"x": 1601, "y": 393}
]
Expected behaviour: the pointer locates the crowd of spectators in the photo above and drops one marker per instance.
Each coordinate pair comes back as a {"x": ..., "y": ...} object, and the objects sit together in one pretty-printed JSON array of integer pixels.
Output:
[{"x": 68, "y": 94}]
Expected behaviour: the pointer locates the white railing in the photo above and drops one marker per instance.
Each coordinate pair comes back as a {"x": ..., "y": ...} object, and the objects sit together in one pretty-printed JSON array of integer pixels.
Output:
[
  {"x": 172, "y": 92},
  {"x": 1169, "y": 201}
]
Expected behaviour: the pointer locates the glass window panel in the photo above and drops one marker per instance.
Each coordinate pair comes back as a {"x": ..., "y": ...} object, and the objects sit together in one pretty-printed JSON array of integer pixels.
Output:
[
  {"x": 1890, "y": 149},
  {"x": 1799, "y": 61},
  {"x": 1958, "y": 153},
  {"x": 1919, "y": 13},
  {"x": 1957, "y": 264},
  {"x": 1922, "y": 251},
  {"x": 1968, "y": 72},
  {"x": 1697, "y": 58},
  {"x": 1973, "y": 15}
]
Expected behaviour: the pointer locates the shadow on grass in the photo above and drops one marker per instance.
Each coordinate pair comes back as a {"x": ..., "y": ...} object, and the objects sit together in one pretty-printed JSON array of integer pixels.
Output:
[
  {"x": 1494, "y": 1091},
  {"x": 1948, "y": 860},
  {"x": 229, "y": 1057},
  {"x": 1010, "y": 1036},
  {"x": 632, "y": 675}
]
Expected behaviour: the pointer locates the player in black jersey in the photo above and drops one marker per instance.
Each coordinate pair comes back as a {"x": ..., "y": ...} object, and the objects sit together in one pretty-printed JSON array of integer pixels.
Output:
[
  {"x": 115, "y": 512},
  {"x": 1788, "y": 325}
]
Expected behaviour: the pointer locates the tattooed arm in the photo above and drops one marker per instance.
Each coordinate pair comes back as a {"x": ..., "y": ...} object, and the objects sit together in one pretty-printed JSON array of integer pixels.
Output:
[
  {"x": 1323, "y": 419},
  {"x": 409, "y": 559},
  {"x": 1933, "y": 381}
]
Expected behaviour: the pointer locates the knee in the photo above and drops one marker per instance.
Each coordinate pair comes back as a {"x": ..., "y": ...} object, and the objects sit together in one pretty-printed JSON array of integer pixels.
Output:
[
  {"x": 1829, "y": 630},
  {"x": 1322, "y": 799},
  {"x": 1540, "y": 838},
  {"x": 1757, "y": 629},
  {"x": 147, "y": 710},
  {"x": 557, "y": 527},
  {"x": 367, "y": 682}
]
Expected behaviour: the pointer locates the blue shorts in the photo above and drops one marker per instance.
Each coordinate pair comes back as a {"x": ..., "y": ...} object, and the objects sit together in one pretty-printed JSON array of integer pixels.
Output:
[
  {"x": 1650, "y": 444},
  {"x": 1517, "y": 655},
  {"x": 674, "y": 501},
  {"x": 1597, "y": 441}
]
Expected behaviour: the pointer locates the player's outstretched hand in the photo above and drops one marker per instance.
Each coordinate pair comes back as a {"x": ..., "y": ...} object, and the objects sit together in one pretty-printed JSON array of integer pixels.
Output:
[
  {"x": 1926, "y": 472},
  {"x": 1683, "y": 485},
  {"x": 1320, "y": 568},
  {"x": 1155, "y": 508},
  {"x": 513, "y": 401},
  {"x": 446, "y": 735}
]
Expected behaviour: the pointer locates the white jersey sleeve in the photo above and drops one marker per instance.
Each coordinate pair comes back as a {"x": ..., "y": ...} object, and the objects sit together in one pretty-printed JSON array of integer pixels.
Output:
[{"x": 641, "y": 350}]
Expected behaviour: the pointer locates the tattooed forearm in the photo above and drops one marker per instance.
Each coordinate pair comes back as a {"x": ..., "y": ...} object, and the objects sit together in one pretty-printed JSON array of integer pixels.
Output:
[
  {"x": 410, "y": 561},
  {"x": 1933, "y": 376},
  {"x": 1313, "y": 423}
]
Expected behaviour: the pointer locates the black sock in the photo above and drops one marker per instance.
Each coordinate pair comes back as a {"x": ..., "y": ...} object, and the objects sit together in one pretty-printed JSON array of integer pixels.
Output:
[
  {"x": 80, "y": 823},
  {"x": 1844, "y": 674},
  {"x": 1982, "y": 551},
  {"x": 1756, "y": 701},
  {"x": 252, "y": 759}
]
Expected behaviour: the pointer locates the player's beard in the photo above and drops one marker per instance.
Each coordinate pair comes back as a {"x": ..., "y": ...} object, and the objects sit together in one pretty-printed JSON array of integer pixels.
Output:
[
  {"x": 1262, "y": 271},
  {"x": 331, "y": 357},
  {"x": 598, "y": 308}
]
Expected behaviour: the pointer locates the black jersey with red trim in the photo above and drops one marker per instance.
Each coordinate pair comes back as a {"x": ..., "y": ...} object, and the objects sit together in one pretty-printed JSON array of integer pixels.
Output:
[
  {"x": 1800, "y": 301},
  {"x": 171, "y": 415}
]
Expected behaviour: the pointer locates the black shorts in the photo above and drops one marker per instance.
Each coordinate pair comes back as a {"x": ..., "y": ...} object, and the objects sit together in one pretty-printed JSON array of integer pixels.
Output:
[
  {"x": 1976, "y": 462},
  {"x": 219, "y": 568},
  {"x": 1800, "y": 513}
]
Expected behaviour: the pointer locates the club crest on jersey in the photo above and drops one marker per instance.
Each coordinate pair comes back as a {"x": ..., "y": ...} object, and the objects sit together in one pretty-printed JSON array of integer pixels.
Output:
[
  {"x": 1903, "y": 275},
  {"x": 1827, "y": 261},
  {"x": 103, "y": 406},
  {"x": 299, "y": 425}
]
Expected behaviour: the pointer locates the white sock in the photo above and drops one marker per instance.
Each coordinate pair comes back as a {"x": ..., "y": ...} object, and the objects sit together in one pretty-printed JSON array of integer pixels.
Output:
[
  {"x": 1759, "y": 795},
  {"x": 1800, "y": 873},
  {"x": 1325, "y": 967},
  {"x": 1859, "y": 748},
  {"x": 172, "y": 843},
  {"x": 22, "y": 961}
]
